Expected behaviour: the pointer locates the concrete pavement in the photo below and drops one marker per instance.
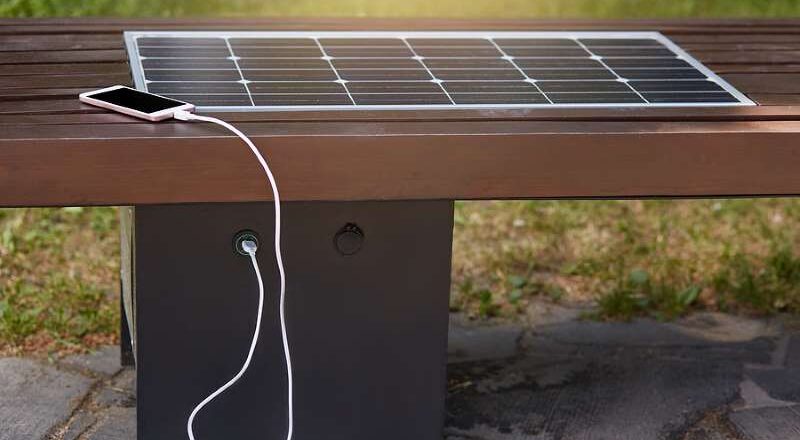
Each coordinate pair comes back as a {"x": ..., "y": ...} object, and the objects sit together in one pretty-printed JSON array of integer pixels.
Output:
[{"x": 552, "y": 377}]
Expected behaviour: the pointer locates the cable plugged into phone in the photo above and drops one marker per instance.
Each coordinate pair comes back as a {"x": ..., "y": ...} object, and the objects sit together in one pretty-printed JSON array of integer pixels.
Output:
[
  {"x": 154, "y": 107},
  {"x": 246, "y": 243},
  {"x": 183, "y": 115}
]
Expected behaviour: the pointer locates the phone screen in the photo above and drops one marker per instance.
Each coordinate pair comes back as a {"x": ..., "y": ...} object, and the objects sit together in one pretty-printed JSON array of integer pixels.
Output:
[{"x": 136, "y": 100}]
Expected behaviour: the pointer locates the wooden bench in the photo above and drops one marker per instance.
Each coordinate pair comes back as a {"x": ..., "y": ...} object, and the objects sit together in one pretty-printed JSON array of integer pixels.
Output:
[{"x": 369, "y": 330}]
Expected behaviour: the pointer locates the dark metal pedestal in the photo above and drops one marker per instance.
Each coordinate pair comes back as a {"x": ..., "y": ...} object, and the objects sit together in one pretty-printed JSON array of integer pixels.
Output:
[{"x": 368, "y": 331}]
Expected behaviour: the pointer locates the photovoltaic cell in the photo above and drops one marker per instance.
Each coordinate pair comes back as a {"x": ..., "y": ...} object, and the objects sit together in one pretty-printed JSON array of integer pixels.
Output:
[{"x": 420, "y": 70}]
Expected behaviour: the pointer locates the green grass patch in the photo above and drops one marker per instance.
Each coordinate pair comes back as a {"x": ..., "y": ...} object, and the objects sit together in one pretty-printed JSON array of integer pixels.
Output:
[
  {"x": 663, "y": 259},
  {"x": 58, "y": 279},
  {"x": 764, "y": 285},
  {"x": 632, "y": 258}
]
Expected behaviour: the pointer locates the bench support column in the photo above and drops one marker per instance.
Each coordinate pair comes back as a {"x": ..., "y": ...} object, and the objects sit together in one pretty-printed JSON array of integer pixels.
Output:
[{"x": 368, "y": 331}]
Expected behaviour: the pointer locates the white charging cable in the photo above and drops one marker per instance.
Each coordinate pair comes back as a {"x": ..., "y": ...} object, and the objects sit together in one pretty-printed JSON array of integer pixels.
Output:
[{"x": 250, "y": 248}]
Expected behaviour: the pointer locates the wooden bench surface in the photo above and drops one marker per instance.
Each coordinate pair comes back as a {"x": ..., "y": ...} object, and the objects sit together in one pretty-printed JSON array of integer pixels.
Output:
[{"x": 56, "y": 151}]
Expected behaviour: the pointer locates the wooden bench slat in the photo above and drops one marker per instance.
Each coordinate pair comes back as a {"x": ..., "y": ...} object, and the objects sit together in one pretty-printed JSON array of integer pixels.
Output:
[
  {"x": 725, "y": 69},
  {"x": 745, "y": 47},
  {"x": 530, "y": 165},
  {"x": 746, "y": 57},
  {"x": 730, "y": 39},
  {"x": 16, "y": 107},
  {"x": 61, "y": 81},
  {"x": 113, "y": 40},
  {"x": 763, "y": 113},
  {"x": 771, "y": 99},
  {"x": 174, "y": 129},
  {"x": 63, "y": 56},
  {"x": 776, "y": 83},
  {"x": 64, "y": 119},
  {"x": 60, "y": 42},
  {"x": 63, "y": 101},
  {"x": 64, "y": 69},
  {"x": 33, "y": 94}
]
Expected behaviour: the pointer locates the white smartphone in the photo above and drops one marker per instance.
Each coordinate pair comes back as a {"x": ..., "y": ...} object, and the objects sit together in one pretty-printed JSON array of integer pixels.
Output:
[{"x": 134, "y": 102}]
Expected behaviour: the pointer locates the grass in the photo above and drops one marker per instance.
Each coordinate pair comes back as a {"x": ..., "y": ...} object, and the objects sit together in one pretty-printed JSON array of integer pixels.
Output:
[
  {"x": 58, "y": 279},
  {"x": 58, "y": 267},
  {"x": 631, "y": 258}
]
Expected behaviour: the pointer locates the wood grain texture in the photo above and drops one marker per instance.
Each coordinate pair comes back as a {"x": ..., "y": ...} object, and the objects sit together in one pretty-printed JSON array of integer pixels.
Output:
[
  {"x": 56, "y": 151},
  {"x": 401, "y": 166}
]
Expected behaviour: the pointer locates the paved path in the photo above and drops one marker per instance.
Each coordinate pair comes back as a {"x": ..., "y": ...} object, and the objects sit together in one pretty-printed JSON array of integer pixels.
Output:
[{"x": 708, "y": 377}]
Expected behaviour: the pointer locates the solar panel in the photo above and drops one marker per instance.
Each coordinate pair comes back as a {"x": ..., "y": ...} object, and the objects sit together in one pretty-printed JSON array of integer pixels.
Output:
[{"x": 349, "y": 70}]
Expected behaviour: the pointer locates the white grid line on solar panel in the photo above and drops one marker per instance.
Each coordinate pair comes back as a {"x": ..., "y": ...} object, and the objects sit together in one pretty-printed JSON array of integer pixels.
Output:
[
  {"x": 424, "y": 58},
  {"x": 637, "y": 38},
  {"x": 527, "y": 43},
  {"x": 384, "y": 58},
  {"x": 156, "y": 46},
  {"x": 241, "y": 75},
  {"x": 634, "y": 74},
  {"x": 600, "y": 60},
  {"x": 513, "y": 48},
  {"x": 444, "y": 81},
  {"x": 427, "y": 69},
  {"x": 688, "y": 86},
  {"x": 411, "y": 68},
  {"x": 599, "y": 92},
  {"x": 140, "y": 64},
  {"x": 366, "y": 46},
  {"x": 527, "y": 78},
  {"x": 211, "y": 107},
  {"x": 336, "y": 72}
]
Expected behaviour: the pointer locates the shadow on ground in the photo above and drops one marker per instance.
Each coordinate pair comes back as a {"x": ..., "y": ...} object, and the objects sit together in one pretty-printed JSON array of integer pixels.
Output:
[
  {"x": 711, "y": 376},
  {"x": 707, "y": 377}
]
